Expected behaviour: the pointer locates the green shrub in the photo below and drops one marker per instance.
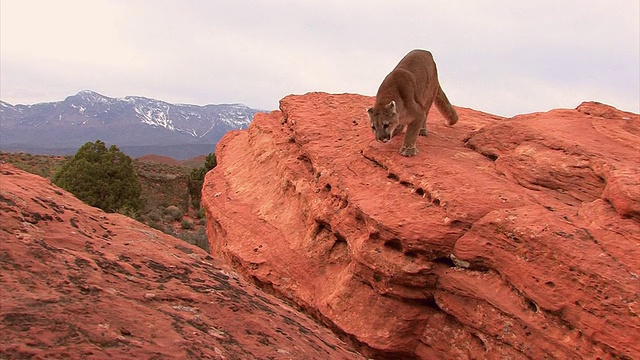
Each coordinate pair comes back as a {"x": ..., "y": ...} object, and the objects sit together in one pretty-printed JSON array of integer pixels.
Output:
[
  {"x": 154, "y": 215},
  {"x": 174, "y": 213},
  {"x": 199, "y": 214},
  {"x": 198, "y": 238},
  {"x": 101, "y": 177},
  {"x": 156, "y": 225},
  {"x": 187, "y": 224},
  {"x": 195, "y": 179},
  {"x": 126, "y": 210}
]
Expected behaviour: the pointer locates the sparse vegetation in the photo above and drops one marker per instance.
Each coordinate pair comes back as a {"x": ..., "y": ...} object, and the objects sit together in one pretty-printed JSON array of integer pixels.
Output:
[
  {"x": 165, "y": 191},
  {"x": 43, "y": 165}
]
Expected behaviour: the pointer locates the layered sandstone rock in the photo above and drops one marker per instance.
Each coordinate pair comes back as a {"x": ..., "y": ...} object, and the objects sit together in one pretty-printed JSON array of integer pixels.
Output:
[
  {"x": 76, "y": 283},
  {"x": 504, "y": 238}
]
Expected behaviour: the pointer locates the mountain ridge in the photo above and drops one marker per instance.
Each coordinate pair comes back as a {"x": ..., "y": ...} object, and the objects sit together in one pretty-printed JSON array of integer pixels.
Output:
[{"x": 132, "y": 122}]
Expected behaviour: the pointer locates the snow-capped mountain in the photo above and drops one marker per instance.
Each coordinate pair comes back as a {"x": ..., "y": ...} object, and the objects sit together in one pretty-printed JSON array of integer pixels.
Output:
[{"x": 130, "y": 122}]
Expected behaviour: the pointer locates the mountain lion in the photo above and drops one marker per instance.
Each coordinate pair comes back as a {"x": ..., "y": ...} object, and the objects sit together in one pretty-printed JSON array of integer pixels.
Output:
[{"x": 404, "y": 99}]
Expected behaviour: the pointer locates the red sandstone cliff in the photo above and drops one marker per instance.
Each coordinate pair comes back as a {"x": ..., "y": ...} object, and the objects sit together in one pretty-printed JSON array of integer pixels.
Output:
[
  {"x": 504, "y": 238},
  {"x": 77, "y": 283}
]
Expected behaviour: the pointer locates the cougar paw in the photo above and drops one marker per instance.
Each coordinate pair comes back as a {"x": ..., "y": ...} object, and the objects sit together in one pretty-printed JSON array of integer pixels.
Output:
[
  {"x": 408, "y": 151},
  {"x": 423, "y": 132}
]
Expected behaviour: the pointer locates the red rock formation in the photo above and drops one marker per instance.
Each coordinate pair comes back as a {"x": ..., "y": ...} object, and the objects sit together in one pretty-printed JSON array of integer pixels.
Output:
[
  {"x": 504, "y": 238},
  {"x": 81, "y": 284}
]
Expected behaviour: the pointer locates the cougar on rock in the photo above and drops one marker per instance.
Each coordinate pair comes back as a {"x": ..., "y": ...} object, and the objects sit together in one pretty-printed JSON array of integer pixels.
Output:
[{"x": 404, "y": 99}]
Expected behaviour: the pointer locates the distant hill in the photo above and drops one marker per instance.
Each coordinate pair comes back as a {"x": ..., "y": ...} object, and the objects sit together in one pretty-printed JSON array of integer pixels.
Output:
[
  {"x": 159, "y": 159},
  {"x": 137, "y": 125}
]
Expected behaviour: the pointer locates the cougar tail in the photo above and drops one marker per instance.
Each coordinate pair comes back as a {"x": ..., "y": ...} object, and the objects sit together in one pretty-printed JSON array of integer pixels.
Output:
[{"x": 445, "y": 108}]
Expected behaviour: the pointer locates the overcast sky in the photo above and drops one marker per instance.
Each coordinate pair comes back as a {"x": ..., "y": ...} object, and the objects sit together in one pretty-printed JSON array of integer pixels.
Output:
[{"x": 504, "y": 57}]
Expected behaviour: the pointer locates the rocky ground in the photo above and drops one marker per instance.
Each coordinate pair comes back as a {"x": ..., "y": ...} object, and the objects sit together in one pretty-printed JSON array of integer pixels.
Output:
[
  {"x": 504, "y": 238},
  {"x": 78, "y": 283}
]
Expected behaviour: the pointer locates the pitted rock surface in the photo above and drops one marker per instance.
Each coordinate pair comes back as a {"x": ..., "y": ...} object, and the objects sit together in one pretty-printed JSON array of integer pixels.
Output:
[{"x": 503, "y": 238}]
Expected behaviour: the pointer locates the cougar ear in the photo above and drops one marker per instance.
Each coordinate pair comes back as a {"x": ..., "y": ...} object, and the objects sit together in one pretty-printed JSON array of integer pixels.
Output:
[
  {"x": 392, "y": 106},
  {"x": 370, "y": 111}
]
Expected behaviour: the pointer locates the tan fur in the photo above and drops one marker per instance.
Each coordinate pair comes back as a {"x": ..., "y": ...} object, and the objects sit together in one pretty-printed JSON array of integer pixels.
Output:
[{"x": 404, "y": 99}]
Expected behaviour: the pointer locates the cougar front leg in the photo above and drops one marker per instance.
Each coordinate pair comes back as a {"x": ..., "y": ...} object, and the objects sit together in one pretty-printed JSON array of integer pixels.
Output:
[{"x": 409, "y": 145}]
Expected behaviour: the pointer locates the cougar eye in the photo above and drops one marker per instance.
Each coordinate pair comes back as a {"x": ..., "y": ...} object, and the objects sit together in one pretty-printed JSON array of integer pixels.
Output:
[
  {"x": 373, "y": 127},
  {"x": 386, "y": 126}
]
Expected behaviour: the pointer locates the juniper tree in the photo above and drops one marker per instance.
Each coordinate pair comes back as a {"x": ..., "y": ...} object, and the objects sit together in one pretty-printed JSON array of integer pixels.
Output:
[
  {"x": 101, "y": 177},
  {"x": 196, "y": 179}
]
